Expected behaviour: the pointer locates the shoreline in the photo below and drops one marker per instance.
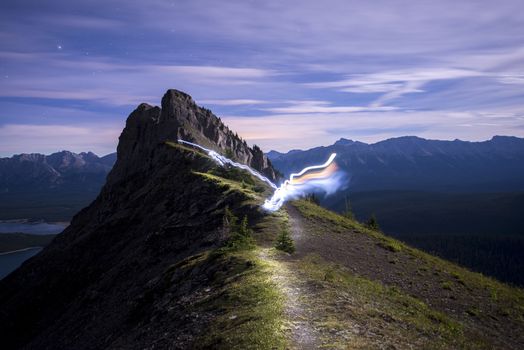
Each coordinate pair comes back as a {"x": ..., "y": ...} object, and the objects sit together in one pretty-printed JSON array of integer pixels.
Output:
[{"x": 20, "y": 250}]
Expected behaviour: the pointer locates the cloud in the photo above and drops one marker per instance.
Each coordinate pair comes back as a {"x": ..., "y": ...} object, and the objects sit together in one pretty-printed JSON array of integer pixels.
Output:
[
  {"x": 123, "y": 83},
  {"x": 84, "y": 22},
  {"x": 232, "y": 102},
  {"x": 27, "y": 138},
  {"x": 284, "y": 132},
  {"x": 408, "y": 88},
  {"x": 213, "y": 71},
  {"x": 298, "y": 107},
  {"x": 517, "y": 79}
]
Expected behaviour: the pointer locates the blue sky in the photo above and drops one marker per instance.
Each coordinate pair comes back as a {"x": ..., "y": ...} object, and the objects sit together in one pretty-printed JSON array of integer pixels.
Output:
[{"x": 284, "y": 74}]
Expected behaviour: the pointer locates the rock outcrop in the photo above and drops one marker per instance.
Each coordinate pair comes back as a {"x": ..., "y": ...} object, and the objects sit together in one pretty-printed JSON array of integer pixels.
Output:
[{"x": 180, "y": 117}]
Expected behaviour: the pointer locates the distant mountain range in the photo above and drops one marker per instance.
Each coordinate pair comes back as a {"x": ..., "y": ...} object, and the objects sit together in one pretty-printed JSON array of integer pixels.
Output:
[
  {"x": 39, "y": 172},
  {"x": 51, "y": 186},
  {"x": 413, "y": 163}
]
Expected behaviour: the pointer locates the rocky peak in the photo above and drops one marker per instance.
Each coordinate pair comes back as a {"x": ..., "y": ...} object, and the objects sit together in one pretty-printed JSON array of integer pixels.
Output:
[
  {"x": 344, "y": 142},
  {"x": 180, "y": 117}
]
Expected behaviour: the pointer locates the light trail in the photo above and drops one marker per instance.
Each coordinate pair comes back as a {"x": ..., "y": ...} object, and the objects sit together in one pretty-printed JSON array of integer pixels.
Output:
[
  {"x": 325, "y": 177},
  {"x": 220, "y": 159}
]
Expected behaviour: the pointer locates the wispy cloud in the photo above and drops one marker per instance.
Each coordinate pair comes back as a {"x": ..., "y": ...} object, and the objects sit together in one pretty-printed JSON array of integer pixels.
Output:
[
  {"x": 301, "y": 131},
  {"x": 233, "y": 102},
  {"x": 395, "y": 84},
  {"x": 306, "y": 106},
  {"x": 214, "y": 71},
  {"x": 115, "y": 83},
  {"x": 28, "y": 138}
]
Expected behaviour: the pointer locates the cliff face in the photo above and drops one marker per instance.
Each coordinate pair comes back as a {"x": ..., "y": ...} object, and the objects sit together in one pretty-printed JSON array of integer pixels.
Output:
[
  {"x": 85, "y": 289},
  {"x": 180, "y": 117}
]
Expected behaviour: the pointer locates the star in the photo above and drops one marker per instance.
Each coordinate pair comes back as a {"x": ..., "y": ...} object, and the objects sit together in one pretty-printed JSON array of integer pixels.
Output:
[{"x": 59, "y": 47}]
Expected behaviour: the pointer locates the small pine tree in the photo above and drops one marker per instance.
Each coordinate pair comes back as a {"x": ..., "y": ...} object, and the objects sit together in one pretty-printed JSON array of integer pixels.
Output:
[
  {"x": 230, "y": 220},
  {"x": 240, "y": 233},
  {"x": 243, "y": 229},
  {"x": 285, "y": 242},
  {"x": 348, "y": 212},
  {"x": 372, "y": 223}
]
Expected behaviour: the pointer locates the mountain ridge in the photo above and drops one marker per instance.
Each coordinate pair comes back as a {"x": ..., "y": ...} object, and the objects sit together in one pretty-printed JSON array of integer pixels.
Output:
[
  {"x": 346, "y": 142},
  {"x": 413, "y": 163}
]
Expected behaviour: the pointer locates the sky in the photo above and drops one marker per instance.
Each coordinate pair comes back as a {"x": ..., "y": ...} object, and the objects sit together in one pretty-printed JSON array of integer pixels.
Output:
[{"x": 291, "y": 74}]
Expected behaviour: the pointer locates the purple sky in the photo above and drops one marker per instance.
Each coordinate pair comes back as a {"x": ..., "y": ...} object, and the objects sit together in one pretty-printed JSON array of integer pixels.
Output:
[{"x": 284, "y": 74}]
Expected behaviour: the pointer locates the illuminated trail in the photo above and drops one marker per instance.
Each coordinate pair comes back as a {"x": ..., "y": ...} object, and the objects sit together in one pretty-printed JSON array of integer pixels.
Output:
[{"x": 325, "y": 177}]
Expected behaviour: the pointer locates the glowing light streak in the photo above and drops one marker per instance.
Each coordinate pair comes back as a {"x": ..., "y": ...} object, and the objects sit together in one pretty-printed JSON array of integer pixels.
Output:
[
  {"x": 221, "y": 160},
  {"x": 325, "y": 177}
]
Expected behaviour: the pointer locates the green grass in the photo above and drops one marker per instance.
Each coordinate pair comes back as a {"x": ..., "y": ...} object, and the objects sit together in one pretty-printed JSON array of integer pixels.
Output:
[
  {"x": 339, "y": 223},
  {"x": 509, "y": 300},
  {"x": 247, "y": 306},
  {"x": 391, "y": 245},
  {"x": 447, "y": 285},
  {"x": 228, "y": 185},
  {"x": 186, "y": 148},
  {"x": 250, "y": 307},
  {"x": 371, "y": 303}
]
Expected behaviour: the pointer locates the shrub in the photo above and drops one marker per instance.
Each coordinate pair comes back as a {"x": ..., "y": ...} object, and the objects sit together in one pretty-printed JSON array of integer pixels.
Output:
[
  {"x": 372, "y": 223},
  {"x": 240, "y": 233},
  {"x": 285, "y": 242}
]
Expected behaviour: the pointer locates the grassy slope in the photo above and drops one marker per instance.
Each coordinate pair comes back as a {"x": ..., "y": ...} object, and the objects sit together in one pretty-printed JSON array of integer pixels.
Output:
[
  {"x": 361, "y": 289},
  {"x": 245, "y": 305},
  {"x": 482, "y": 310},
  {"x": 483, "y": 231}
]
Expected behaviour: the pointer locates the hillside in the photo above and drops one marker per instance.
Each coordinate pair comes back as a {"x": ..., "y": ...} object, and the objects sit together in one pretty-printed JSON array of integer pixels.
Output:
[
  {"x": 175, "y": 254},
  {"x": 52, "y": 187}
]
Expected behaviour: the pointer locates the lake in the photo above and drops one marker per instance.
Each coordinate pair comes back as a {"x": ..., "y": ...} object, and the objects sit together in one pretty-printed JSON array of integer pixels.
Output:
[
  {"x": 36, "y": 228},
  {"x": 11, "y": 260}
]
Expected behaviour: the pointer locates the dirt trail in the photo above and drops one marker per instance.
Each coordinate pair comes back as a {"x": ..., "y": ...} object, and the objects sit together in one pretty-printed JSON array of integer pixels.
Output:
[{"x": 300, "y": 314}]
